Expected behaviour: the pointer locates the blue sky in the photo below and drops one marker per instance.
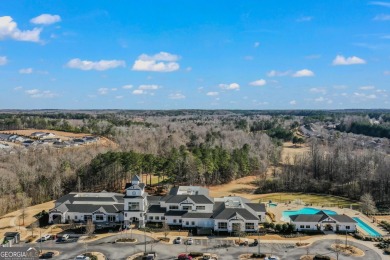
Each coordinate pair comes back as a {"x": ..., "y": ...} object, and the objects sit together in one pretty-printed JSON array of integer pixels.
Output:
[{"x": 263, "y": 54}]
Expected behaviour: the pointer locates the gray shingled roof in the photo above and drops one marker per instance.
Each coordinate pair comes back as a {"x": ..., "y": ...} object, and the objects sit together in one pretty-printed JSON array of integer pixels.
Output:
[
  {"x": 154, "y": 199},
  {"x": 258, "y": 207},
  {"x": 137, "y": 186},
  {"x": 228, "y": 213},
  {"x": 87, "y": 208},
  {"x": 156, "y": 209},
  {"x": 198, "y": 199},
  {"x": 135, "y": 178},
  {"x": 197, "y": 215},
  {"x": 343, "y": 218},
  {"x": 320, "y": 217},
  {"x": 175, "y": 213}
]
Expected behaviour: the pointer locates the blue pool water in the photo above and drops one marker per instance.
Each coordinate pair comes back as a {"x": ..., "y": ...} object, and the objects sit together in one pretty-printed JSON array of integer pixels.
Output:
[
  {"x": 309, "y": 211},
  {"x": 369, "y": 230},
  {"x": 272, "y": 205}
]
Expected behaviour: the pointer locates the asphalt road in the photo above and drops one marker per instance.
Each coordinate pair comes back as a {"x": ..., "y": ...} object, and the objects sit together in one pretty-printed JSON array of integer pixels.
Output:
[{"x": 120, "y": 251}]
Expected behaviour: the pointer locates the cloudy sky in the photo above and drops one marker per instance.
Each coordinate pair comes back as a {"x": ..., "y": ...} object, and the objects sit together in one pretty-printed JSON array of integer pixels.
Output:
[{"x": 153, "y": 54}]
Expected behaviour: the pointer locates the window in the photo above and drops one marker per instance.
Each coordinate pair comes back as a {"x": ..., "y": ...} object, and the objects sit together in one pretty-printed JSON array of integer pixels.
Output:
[
  {"x": 222, "y": 225},
  {"x": 75, "y": 217},
  {"x": 179, "y": 220},
  {"x": 151, "y": 217},
  {"x": 307, "y": 226},
  {"x": 347, "y": 227},
  {"x": 193, "y": 223},
  {"x": 157, "y": 218},
  {"x": 302, "y": 226},
  {"x": 99, "y": 217},
  {"x": 187, "y": 223},
  {"x": 187, "y": 207},
  {"x": 174, "y": 221},
  {"x": 162, "y": 218},
  {"x": 200, "y": 207},
  {"x": 111, "y": 218},
  {"x": 173, "y": 207},
  {"x": 133, "y": 205},
  {"x": 68, "y": 217},
  {"x": 125, "y": 214},
  {"x": 249, "y": 225}
]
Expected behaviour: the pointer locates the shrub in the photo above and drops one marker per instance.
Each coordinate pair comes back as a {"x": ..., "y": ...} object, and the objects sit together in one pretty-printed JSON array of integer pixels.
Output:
[
  {"x": 321, "y": 257},
  {"x": 387, "y": 251},
  {"x": 254, "y": 255},
  {"x": 196, "y": 254}
]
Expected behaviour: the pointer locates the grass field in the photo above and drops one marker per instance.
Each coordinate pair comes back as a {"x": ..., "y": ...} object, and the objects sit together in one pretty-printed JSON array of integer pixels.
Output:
[{"x": 315, "y": 199}]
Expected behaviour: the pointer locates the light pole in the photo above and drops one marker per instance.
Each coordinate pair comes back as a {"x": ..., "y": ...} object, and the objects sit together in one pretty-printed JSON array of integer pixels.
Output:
[
  {"x": 145, "y": 239},
  {"x": 258, "y": 242}
]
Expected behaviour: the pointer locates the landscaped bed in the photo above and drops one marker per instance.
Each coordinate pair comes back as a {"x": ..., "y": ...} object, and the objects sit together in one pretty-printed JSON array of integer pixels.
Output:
[
  {"x": 126, "y": 240},
  {"x": 347, "y": 250}
]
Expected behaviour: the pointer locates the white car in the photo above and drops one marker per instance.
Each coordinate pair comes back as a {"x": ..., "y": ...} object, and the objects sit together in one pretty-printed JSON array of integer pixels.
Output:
[
  {"x": 178, "y": 240},
  {"x": 272, "y": 257},
  {"x": 189, "y": 241},
  {"x": 81, "y": 257},
  {"x": 65, "y": 237},
  {"x": 45, "y": 237}
]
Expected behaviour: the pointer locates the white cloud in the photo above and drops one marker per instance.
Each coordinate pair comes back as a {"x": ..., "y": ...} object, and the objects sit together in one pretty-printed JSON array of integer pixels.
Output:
[
  {"x": 384, "y": 4},
  {"x": 26, "y": 71},
  {"x": 138, "y": 92},
  {"x": 46, "y": 19},
  {"x": 177, "y": 96},
  {"x": 114, "y": 89},
  {"x": 341, "y": 60},
  {"x": 149, "y": 87},
  {"x": 103, "y": 91},
  {"x": 9, "y": 29},
  {"x": 305, "y": 19},
  {"x": 313, "y": 56},
  {"x": 275, "y": 73},
  {"x": 118, "y": 97},
  {"x": 212, "y": 93},
  {"x": 188, "y": 69},
  {"x": 160, "y": 62},
  {"x": 18, "y": 88},
  {"x": 293, "y": 102},
  {"x": 258, "y": 83},
  {"x": 340, "y": 86},
  {"x": 36, "y": 93},
  {"x": 367, "y": 87},
  {"x": 3, "y": 60},
  {"x": 387, "y": 72},
  {"x": 303, "y": 73},
  {"x": 231, "y": 86},
  {"x": 319, "y": 99},
  {"x": 248, "y": 57},
  {"x": 127, "y": 86},
  {"x": 256, "y": 44},
  {"x": 364, "y": 96},
  {"x": 95, "y": 65},
  {"x": 382, "y": 17},
  {"x": 318, "y": 90}
]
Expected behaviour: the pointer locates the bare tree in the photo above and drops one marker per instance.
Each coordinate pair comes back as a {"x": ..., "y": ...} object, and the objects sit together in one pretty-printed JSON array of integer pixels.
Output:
[
  {"x": 33, "y": 226},
  {"x": 89, "y": 228},
  {"x": 368, "y": 204}
]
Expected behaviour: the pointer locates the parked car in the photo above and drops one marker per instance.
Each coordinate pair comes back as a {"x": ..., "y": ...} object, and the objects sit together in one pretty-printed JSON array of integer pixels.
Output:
[
  {"x": 207, "y": 256},
  {"x": 178, "y": 240},
  {"x": 44, "y": 238},
  {"x": 82, "y": 257},
  {"x": 65, "y": 237},
  {"x": 150, "y": 256},
  {"x": 272, "y": 257},
  {"x": 47, "y": 255},
  {"x": 255, "y": 243},
  {"x": 190, "y": 241},
  {"x": 184, "y": 257}
]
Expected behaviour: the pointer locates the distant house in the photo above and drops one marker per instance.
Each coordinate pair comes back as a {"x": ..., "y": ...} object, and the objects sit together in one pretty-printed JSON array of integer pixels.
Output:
[
  {"x": 28, "y": 143},
  {"x": 323, "y": 222},
  {"x": 61, "y": 144},
  {"x": 12, "y": 238},
  {"x": 42, "y": 135},
  {"x": 79, "y": 141},
  {"x": 4, "y": 137},
  {"x": 4, "y": 146},
  {"x": 90, "y": 139}
]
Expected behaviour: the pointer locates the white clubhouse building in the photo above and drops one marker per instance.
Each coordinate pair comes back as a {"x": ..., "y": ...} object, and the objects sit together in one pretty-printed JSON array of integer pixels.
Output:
[{"x": 184, "y": 206}]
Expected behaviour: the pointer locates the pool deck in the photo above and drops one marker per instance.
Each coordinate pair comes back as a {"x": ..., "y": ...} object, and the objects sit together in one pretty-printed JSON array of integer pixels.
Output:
[{"x": 278, "y": 211}]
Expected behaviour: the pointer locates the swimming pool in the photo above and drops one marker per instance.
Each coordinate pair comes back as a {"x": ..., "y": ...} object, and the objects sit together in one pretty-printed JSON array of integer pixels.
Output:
[
  {"x": 271, "y": 205},
  {"x": 308, "y": 211},
  {"x": 369, "y": 230}
]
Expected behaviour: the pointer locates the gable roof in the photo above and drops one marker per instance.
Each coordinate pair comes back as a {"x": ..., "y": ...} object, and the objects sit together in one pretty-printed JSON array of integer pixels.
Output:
[
  {"x": 156, "y": 209},
  {"x": 320, "y": 217},
  {"x": 228, "y": 213},
  {"x": 198, "y": 199},
  {"x": 197, "y": 215},
  {"x": 257, "y": 207},
  {"x": 139, "y": 186},
  {"x": 135, "y": 178}
]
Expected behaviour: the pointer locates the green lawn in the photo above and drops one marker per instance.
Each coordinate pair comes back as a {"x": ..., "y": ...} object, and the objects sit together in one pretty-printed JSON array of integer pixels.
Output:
[{"x": 315, "y": 199}]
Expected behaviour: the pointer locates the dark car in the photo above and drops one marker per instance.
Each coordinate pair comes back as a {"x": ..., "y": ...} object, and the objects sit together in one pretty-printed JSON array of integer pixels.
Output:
[
  {"x": 255, "y": 243},
  {"x": 47, "y": 255}
]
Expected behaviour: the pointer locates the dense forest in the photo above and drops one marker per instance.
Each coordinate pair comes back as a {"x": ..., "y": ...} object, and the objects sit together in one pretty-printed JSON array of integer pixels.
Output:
[{"x": 199, "y": 147}]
